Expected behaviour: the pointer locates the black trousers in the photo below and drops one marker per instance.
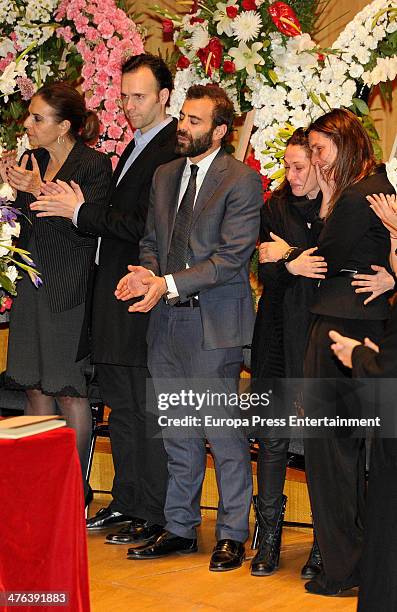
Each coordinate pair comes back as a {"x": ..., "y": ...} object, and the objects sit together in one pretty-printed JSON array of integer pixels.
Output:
[
  {"x": 335, "y": 465},
  {"x": 140, "y": 461},
  {"x": 271, "y": 471},
  {"x": 378, "y": 588}
]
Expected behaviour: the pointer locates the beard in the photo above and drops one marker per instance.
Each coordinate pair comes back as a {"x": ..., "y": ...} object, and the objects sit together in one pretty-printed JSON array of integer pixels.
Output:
[{"x": 196, "y": 146}]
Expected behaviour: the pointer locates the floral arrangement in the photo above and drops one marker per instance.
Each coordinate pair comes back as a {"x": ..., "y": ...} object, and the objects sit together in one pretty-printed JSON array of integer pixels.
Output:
[
  {"x": 104, "y": 37},
  {"x": 229, "y": 41},
  {"x": 12, "y": 258},
  {"x": 81, "y": 41},
  {"x": 267, "y": 61},
  {"x": 48, "y": 40}
]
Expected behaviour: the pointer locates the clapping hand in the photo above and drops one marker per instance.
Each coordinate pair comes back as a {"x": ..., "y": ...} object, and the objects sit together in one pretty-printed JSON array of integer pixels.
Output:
[
  {"x": 7, "y": 160},
  {"x": 272, "y": 251},
  {"x": 309, "y": 265},
  {"x": 59, "y": 199},
  {"x": 131, "y": 285},
  {"x": 343, "y": 347},
  {"x": 385, "y": 206},
  {"x": 25, "y": 180},
  {"x": 375, "y": 284}
]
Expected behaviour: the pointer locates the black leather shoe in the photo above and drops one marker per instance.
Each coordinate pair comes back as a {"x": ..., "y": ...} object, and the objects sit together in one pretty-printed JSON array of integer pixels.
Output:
[
  {"x": 227, "y": 555},
  {"x": 105, "y": 517},
  {"x": 131, "y": 534},
  {"x": 314, "y": 565},
  {"x": 320, "y": 586},
  {"x": 166, "y": 544}
]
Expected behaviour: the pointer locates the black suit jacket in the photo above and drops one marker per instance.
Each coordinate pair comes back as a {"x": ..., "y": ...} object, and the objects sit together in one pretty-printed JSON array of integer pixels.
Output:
[
  {"x": 369, "y": 364},
  {"x": 353, "y": 238},
  {"x": 65, "y": 254},
  {"x": 113, "y": 334}
]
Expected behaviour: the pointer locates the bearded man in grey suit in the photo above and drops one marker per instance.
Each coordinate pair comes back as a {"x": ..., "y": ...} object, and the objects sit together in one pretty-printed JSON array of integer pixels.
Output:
[{"x": 201, "y": 230}]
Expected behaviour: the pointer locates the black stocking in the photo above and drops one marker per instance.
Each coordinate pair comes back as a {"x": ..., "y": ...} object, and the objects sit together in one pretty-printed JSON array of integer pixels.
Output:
[{"x": 77, "y": 413}]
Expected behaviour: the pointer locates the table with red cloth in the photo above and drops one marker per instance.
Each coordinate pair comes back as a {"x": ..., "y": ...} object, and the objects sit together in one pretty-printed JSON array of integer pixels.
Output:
[{"x": 43, "y": 544}]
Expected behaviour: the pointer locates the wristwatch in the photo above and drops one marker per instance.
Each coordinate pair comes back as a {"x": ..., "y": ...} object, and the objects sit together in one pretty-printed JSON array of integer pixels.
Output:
[{"x": 288, "y": 254}]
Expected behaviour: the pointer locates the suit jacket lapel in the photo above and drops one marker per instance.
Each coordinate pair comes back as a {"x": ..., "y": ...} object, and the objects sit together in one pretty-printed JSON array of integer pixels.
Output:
[
  {"x": 212, "y": 180},
  {"x": 172, "y": 195},
  {"x": 159, "y": 140},
  {"x": 120, "y": 165},
  {"x": 72, "y": 163}
]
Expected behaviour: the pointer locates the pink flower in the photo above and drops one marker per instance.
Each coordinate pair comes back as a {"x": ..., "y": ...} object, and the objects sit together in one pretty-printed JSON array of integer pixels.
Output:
[
  {"x": 5, "y": 61},
  {"x": 107, "y": 118},
  {"x": 115, "y": 132},
  {"x": 102, "y": 78},
  {"x": 120, "y": 147},
  {"x": 106, "y": 29},
  {"x": 81, "y": 22},
  {"x": 26, "y": 87},
  {"x": 66, "y": 33},
  {"x": 87, "y": 71},
  {"x": 109, "y": 146},
  {"x": 111, "y": 106}
]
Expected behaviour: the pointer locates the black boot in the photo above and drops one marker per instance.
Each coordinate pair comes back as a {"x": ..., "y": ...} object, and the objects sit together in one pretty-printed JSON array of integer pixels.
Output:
[
  {"x": 314, "y": 565},
  {"x": 267, "y": 558}
]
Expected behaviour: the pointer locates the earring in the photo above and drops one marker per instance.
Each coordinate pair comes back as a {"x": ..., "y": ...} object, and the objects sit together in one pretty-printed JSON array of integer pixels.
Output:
[{"x": 61, "y": 140}]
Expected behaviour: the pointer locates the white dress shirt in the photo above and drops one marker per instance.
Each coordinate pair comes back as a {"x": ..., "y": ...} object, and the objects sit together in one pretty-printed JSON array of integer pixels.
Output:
[
  {"x": 141, "y": 141},
  {"x": 203, "y": 167}
]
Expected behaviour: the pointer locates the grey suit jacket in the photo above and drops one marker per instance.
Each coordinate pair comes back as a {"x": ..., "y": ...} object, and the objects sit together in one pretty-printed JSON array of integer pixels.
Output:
[{"x": 223, "y": 236}]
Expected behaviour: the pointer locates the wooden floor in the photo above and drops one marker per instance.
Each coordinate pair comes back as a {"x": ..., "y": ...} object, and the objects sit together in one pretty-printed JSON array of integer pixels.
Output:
[{"x": 184, "y": 584}]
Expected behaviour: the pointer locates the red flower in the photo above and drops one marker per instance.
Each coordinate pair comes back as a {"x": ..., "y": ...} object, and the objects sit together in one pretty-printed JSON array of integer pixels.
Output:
[
  {"x": 255, "y": 164},
  {"x": 214, "y": 48},
  {"x": 183, "y": 62},
  {"x": 194, "y": 20},
  {"x": 168, "y": 26},
  {"x": 231, "y": 11},
  {"x": 229, "y": 67},
  {"x": 249, "y": 5},
  {"x": 5, "y": 303},
  {"x": 320, "y": 57},
  {"x": 285, "y": 19}
]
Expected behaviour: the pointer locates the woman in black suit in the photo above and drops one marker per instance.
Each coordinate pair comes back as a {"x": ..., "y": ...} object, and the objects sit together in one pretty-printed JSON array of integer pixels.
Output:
[
  {"x": 351, "y": 240},
  {"x": 378, "y": 585},
  {"x": 46, "y": 322},
  {"x": 280, "y": 334}
]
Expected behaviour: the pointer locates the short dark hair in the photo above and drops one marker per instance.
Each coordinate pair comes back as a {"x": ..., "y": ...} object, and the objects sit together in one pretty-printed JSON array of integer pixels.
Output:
[
  {"x": 223, "y": 112},
  {"x": 68, "y": 104},
  {"x": 159, "y": 68}
]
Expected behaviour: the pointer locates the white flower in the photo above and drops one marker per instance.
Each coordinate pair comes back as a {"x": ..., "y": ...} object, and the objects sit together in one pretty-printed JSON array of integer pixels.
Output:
[
  {"x": 247, "y": 57},
  {"x": 224, "y": 23},
  {"x": 247, "y": 25},
  {"x": 12, "y": 273},
  {"x": 6, "y": 191},
  {"x": 22, "y": 145},
  {"x": 385, "y": 70},
  {"x": 391, "y": 171},
  {"x": 6, "y": 46},
  {"x": 200, "y": 37}
]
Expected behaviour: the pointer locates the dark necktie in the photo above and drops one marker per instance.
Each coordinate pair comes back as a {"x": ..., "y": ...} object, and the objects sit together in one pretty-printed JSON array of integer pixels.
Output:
[{"x": 179, "y": 248}]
